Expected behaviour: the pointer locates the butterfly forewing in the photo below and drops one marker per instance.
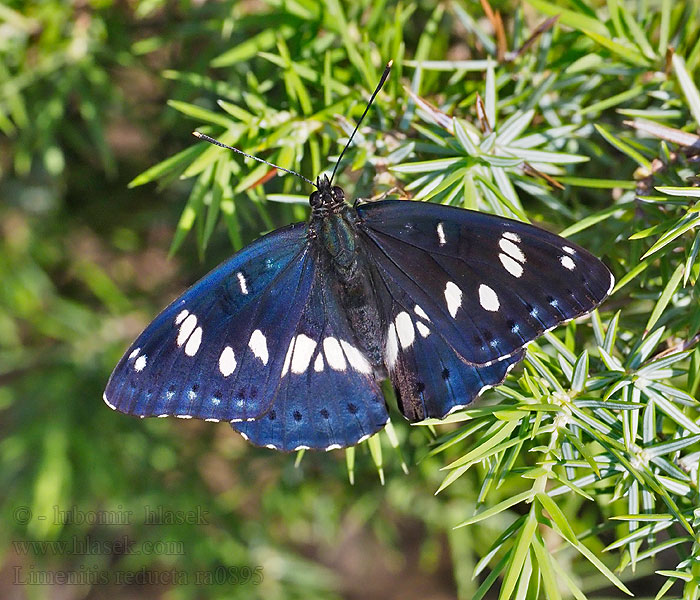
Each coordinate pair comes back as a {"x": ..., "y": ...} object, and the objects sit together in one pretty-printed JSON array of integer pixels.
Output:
[
  {"x": 217, "y": 351},
  {"x": 489, "y": 284}
]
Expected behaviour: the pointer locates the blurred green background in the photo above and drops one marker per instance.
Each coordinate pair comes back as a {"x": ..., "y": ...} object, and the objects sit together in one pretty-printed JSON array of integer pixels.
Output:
[{"x": 98, "y": 234}]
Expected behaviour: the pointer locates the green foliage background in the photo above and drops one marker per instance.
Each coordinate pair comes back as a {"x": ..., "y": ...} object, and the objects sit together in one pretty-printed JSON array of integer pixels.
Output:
[{"x": 577, "y": 478}]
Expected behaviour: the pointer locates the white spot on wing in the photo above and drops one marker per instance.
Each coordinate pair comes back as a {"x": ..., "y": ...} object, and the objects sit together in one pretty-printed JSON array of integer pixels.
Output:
[
  {"x": 510, "y": 248},
  {"x": 242, "y": 282},
  {"x": 181, "y": 316},
  {"x": 334, "y": 354},
  {"x": 513, "y": 237},
  {"x": 441, "y": 234},
  {"x": 303, "y": 351},
  {"x": 404, "y": 329},
  {"x": 511, "y": 265},
  {"x": 184, "y": 416},
  {"x": 258, "y": 344},
  {"x": 333, "y": 447},
  {"x": 612, "y": 284},
  {"x": 488, "y": 298},
  {"x": 356, "y": 358},
  {"x": 186, "y": 329},
  {"x": 453, "y": 297},
  {"x": 140, "y": 363},
  {"x": 392, "y": 346},
  {"x": 318, "y": 363},
  {"x": 227, "y": 361},
  {"x": 568, "y": 250},
  {"x": 422, "y": 329},
  {"x": 420, "y": 312},
  {"x": 135, "y": 353},
  {"x": 567, "y": 263},
  {"x": 288, "y": 358},
  {"x": 193, "y": 343}
]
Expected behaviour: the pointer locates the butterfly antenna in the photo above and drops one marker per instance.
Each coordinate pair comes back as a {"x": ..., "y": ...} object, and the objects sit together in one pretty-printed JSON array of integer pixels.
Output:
[
  {"x": 211, "y": 140},
  {"x": 376, "y": 91}
]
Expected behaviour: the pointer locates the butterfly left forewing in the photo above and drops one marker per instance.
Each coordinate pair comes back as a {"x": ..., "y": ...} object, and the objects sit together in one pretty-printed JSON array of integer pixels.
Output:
[{"x": 216, "y": 352}]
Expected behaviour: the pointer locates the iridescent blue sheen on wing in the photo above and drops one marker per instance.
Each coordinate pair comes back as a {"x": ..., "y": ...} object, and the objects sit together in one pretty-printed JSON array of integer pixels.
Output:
[
  {"x": 180, "y": 364},
  {"x": 328, "y": 396}
]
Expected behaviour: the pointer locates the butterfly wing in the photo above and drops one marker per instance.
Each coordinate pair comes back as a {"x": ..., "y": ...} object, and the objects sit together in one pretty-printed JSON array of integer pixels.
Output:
[
  {"x": 430, "y": 378},
  {"x": 261, "y": 337},
  {"x": 327, "y": 397},
  {"x": 215, "y": 352},
  {"x": 490, "y": 285}
]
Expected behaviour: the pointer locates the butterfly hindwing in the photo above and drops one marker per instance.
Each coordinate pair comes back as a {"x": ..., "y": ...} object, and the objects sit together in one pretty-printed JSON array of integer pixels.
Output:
[
  {"x": 327, "y": 396},
  {"x": 431, "y": 380},
  {"x": 490, "y": 284},
  {"x": 217, "y": 351}
]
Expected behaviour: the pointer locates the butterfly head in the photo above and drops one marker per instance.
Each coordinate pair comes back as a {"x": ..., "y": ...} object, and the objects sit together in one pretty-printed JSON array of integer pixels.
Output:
[{"x": 327, "y": 199}]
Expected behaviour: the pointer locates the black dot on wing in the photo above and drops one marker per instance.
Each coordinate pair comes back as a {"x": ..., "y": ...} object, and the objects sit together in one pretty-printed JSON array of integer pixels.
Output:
[
  {"x": 420, "y": 387},
  {"x": 352, "y": 408},
  {"x": 241, "y": 393},
  {"x": 272, "y": 415},
  {"x": 510, "y": 323},
  {"x": 445, "y": 373},
  {"x": 172, "y": 389},
  {"x": 297, "y": 416},
  {"x": 253, "y": 392},
  {"x": 324, "y": 413},
  {"x": 195, "y": 387}
]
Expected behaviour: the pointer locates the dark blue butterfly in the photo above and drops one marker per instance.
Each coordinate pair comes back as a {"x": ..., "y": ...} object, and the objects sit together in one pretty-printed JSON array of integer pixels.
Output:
[{"x": 290, "y": 338}]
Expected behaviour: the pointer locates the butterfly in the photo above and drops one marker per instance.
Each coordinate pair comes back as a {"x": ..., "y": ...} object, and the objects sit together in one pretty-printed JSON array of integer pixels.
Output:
[{"x": 290, "y": 339}]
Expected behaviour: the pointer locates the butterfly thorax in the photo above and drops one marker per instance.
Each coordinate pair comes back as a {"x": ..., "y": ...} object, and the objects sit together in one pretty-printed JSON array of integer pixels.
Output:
[{"x": 334, "y": 233}]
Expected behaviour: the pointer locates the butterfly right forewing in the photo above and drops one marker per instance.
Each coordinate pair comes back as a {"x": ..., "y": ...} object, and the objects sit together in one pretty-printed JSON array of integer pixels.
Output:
[{"x": 490, "y": 285}]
